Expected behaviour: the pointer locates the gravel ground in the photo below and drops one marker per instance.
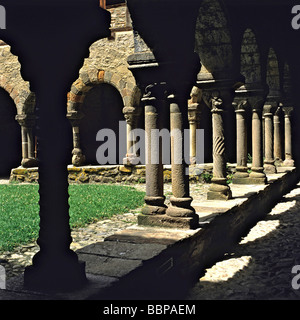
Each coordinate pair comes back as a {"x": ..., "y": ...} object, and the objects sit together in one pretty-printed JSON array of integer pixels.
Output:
[{"x": 260, "y": 266}]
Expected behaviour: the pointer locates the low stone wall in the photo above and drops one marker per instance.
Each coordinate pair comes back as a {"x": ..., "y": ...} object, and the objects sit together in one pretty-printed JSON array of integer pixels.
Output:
[{"x": 112, "y": 174}]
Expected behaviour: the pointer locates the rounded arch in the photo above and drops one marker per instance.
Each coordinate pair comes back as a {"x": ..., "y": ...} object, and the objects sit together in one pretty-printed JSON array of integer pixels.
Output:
[
  {"x": 10, "y": 135},
  {"x": 13, "y": 83},
  {"x": 273, "y": 73},
  {"x": 91, "y": 77},
  {"x": 103, "y": 109},
  {"x": 250, "y": 58},
  {"x": 213, "y": 41}
]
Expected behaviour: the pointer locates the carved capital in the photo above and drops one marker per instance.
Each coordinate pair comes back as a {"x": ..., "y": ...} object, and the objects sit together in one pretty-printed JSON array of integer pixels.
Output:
[
  {"x": 154, "y": 92},
  {"x": 218, "y": 99},
  {"x": 26, "y": 120},
  {"x": 240, "y": 105},
  {"x": 268, "y": 110},
  {"x": 287, "y": 111},
  {"x": 75, "y": 117}
]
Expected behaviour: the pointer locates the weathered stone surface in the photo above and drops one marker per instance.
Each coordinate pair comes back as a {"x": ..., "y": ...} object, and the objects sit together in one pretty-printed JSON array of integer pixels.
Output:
[{"x": 124, "y": 250}]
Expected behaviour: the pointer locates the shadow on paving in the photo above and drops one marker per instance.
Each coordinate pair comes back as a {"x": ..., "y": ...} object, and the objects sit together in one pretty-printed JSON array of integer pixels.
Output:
[{"x": 268, "y": 275}]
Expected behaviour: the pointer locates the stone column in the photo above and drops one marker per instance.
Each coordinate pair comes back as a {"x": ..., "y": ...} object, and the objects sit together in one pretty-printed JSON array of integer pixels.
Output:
[
  {"x": 269, "y": 161},
  {"x": 154, "y": 199},
  {"x": 288, "y": 161},
  {"x": 219, "y": 190},
  {"x": 78, "y": 158},
  {"x": 193, "y": 116},
  {"x": 277, "y": 137},
  {"x": 241, "y": 149},
  {"x": 27, "y": 122},
  {"x": 180, "y": 210},
  {"x": 131, "y": 115},
  {"x": 257, "y": 175}
]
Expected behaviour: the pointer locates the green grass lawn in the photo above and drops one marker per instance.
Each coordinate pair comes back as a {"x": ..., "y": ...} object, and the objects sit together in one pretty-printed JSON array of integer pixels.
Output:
[{"x": 19, "y": 210}]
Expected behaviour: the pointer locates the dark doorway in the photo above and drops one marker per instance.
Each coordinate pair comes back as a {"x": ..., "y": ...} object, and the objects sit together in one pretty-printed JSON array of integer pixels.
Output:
[
  {"x": 102, "y": 107},
  {"x": 10, "y": 135}
]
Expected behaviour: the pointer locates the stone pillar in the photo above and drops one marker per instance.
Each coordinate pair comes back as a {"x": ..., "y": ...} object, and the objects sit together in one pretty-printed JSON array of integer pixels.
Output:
[
  {"x": 269, "y": 166},
  {"x": 241, "y": 139},
  {"x": 257, "y": 175},
  {"x": 193, "y": 116},
  {"x": 27, "y": 122},
  {"x": 78, "y": 158},
  {"x": 288, "y": 161},
  {"x": 131, "y": 115},
  {"x": 154, "y": 199},
  {"x": 180, "y": 210},
  {"x": 219, "y": 190},
  {"x": 277, "y": 137}
]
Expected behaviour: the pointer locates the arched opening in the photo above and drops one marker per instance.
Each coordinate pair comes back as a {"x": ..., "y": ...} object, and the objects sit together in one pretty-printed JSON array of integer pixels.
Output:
[
  {"x": 250, "y": 60},
  {"x": 273, "y": 74},
  {"x": 10, "y": 135},
  {"x": 102, "y": 108},
  {"x": 213, "y": 39}
]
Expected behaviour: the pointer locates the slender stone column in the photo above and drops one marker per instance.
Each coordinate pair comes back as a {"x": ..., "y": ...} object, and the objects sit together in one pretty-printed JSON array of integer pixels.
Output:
[
  {"x": 24, "y": 143},
  {"x": 241, "y": 150},
  {"x": 27, "y": 122},
  {"x": 193, "y": 115},
  {"x": 277, "y": 137},
  {"x": 257, "y": 175},
  {"x": 78, "y": 158},
  {"x": 180, "y": 209},
  {"x": 288, "y": 161},
  {"x": 269, "y": 161},
  {"x": 219, "y": 190},
  {"x": 154, "y": 199},
  {"x": 131, "y": 116}
]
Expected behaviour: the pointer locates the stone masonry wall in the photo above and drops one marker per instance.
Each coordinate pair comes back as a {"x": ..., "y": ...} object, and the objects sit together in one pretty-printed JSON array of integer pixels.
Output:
[{"x": 12, "y": 81}]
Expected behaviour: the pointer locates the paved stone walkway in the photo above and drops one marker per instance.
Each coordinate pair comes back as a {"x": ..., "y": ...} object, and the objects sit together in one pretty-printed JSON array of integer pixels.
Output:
[{"x": 260, "y": 266}]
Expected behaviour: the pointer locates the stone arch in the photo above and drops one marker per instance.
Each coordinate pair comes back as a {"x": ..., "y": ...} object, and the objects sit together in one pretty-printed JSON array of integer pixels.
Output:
[
  {"x": 250, "y": 58},
  {"x": 213, "y": 41},
  {"x": 10, "y": 135},
  {"x": 103, "y": 109},
  {"x": 91, "y": 77},
  {"x": 23, "y": 98},
  {"x": 273, "y": 73},
  {"x": 11, "y": 81}
]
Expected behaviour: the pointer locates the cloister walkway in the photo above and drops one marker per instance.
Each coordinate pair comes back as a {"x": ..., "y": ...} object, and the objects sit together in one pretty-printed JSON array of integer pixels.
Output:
[{"x": 260, "y": 266}]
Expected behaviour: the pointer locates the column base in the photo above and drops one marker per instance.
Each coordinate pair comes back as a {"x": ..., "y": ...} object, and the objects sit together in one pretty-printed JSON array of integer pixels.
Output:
[
  {"x": 181, "y": 208},
  {"x": 78, "y": 158},
  {"x": 288, "y": 163},
  {"x": 269, "y": 167},
  {"x": 55, "y": 277},
  {"x": 219, "y": 190},
  {"x": 241, "y": 176},
  {"x": 29, "y": 163},
  {"x": 257, "y": 176},
  {"x": 168, "y": 221},
  {"x": 131, "y": 160},
  {"x": 154, "y": 206}
]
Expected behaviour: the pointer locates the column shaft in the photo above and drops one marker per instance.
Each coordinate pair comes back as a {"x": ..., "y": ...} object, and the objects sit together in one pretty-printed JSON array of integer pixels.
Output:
[
  {"x": 257, "y": 174},
  {"x": 219, "y": 190},
  {"x": 241, "y": 148},
  {"x": 269, "y": 166},
  {"x": 277, "y": 138},
  {"x": 180, "y": 209},
  {"x": 288, "y": 161}
]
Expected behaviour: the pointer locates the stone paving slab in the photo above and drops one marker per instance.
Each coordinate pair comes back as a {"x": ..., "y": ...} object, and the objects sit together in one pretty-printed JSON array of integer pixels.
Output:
[
  {"x": 142, "y": 235},
  {"x": 122, "y": 250}
]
